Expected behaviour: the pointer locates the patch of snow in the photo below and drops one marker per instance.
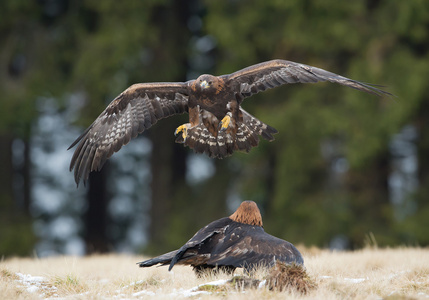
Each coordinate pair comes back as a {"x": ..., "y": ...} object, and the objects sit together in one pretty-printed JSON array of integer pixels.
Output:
[
  {"x": 188, "y": 293},
  {"x": 34, "y": 284},
  {"x": 129, "y": 285},
  {"x": 355, "y": 280},
  {"x": 423, "y": 295},
  {"x": 262, "y": 284},
  {"x": 349, "y": 280},
  {"x": 104, "y": 281},
  {"x": 392, "y": 293},
  {"x": 194, "y": 291},
  {"x": 144, "y": 292},
  {"x": 217, "y": 282},
  {"x": 32, "y": 289},
  {"x": 175, "y": 293},
  {"x": 394, "y": 275},
  {"x": 27, "y": 278}
]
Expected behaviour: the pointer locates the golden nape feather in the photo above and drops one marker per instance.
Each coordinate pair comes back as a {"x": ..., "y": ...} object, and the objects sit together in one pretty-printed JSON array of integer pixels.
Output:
[{"x": 247, "y": 213}]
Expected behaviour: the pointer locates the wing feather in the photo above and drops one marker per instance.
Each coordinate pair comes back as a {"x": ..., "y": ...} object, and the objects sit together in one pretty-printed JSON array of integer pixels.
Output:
[
  {"x": 163, "y": 259},
  {"x": 217, "y": 227},
  {"x": 249, "y": 246},
  {"x": 270, "y": 74},
  {"x": 131, "y": 113},
  {"x": 80, "y": 156}
]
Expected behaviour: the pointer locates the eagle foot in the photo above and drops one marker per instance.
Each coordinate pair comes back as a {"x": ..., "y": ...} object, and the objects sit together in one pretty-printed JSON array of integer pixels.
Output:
[
  {"x": 223, "y": 125},
  {"x": 184, "y": 129}
]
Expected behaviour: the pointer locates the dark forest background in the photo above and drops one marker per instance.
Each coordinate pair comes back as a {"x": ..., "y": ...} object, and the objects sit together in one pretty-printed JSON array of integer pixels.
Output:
[{"x": 345, "y": 170}]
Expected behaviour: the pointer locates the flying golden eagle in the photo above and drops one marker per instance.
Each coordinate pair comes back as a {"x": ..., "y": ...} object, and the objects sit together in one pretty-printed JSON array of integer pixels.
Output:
[
  {"x": 237, "y": 241},
  {"x": 217, "y": 126}
]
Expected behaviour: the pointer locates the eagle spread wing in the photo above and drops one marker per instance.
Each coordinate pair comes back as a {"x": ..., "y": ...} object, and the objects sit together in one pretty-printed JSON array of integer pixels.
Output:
[
  {"x": 131, "y": 113},
  {"x": 271, "y": 74},
  {"x": 238, "y": 241},
  {"x": 217, "y": 126}
]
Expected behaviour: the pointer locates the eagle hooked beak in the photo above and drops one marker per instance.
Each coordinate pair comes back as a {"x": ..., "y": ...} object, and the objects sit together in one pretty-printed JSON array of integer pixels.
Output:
[{"x": 204, "y": 84}]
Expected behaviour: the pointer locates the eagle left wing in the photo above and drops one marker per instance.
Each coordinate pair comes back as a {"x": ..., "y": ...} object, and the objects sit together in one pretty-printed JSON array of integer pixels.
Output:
[
  {"x": 192, "y": 246},
  {"x": 271, "y": 74},
  {"x": 132, "y": 112}
]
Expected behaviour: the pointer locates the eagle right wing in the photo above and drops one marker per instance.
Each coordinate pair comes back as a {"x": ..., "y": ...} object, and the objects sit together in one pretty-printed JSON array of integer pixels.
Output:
[
  {"x": 274, "y": 73},
  {"x": 250, "y": 246},
  {"x": 132, "y": 112}
]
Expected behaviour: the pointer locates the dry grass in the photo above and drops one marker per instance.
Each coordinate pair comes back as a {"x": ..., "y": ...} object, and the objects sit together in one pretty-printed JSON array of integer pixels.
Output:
[{"x": 401, "y": 273}]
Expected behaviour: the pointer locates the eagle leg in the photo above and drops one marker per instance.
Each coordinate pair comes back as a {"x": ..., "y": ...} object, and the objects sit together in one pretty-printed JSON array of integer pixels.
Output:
[
  {"x": 184, "y": 128},
  {"x": 223, "y": 125}
]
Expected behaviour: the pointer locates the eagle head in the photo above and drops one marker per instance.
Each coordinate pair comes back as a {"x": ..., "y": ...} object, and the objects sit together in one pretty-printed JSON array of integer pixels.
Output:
[{"x": 206, "y": 81}]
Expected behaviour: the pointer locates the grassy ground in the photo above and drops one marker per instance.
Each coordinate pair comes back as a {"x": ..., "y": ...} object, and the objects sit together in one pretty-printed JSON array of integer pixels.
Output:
[{"x": 401, "y": 273}]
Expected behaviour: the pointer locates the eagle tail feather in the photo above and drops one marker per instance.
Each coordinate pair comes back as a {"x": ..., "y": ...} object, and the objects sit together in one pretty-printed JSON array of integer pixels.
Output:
[
  {"x": 259, "y": 127},
  {"x": 225, "y": 143},
  {"x": 246, "y": 138},
  {"x": 164, "y": 259}
]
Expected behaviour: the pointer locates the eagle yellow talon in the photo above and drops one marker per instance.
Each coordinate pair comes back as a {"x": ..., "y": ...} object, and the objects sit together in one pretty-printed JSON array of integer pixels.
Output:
[
  {"x": 225, "y": 123},
  {"x": 184, "y": 130}
]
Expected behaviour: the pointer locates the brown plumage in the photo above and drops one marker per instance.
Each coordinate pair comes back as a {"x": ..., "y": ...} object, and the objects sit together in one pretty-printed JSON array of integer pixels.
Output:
[
  {"x": 217, "y": 126},
  {"x": 237, "y": 241}
]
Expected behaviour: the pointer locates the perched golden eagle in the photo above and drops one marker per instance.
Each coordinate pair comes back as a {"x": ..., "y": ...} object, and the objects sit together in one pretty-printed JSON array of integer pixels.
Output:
[
  {"x": 217, "y": 126},
  {"x": 237, "y": 241}
]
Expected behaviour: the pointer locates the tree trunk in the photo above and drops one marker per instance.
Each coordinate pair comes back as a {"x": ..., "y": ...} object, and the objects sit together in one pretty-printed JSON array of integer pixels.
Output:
[
  {"x": 370, "y": 209},
  {"x": 96, "y": 238},
  {"x": 16, "y": 234},
  {"x": 168, "y": 161},
  {"x": 162, "y": 184}
]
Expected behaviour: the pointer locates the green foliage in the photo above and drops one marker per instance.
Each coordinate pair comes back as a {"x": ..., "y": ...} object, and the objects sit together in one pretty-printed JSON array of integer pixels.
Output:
[
  {"x": 17, "y": 237},
  {"x": 101, "y": 47},
  {"x": 381, "y": 42}
]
